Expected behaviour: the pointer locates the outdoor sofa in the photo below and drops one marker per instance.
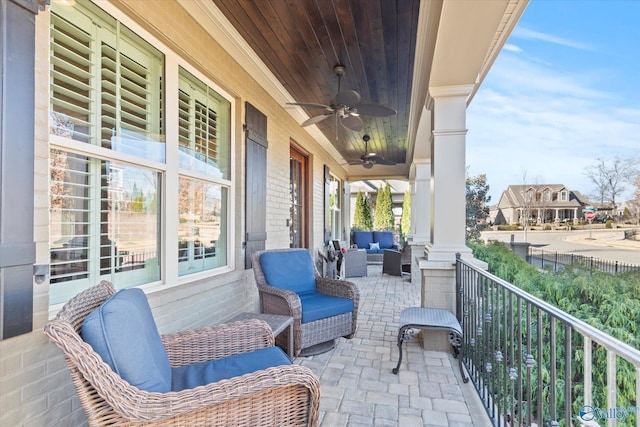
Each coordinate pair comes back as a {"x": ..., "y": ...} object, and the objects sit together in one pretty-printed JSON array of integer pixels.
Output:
[{"x": 374, "y": 242}]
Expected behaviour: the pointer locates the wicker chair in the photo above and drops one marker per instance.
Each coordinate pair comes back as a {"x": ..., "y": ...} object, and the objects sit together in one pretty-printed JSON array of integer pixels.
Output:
[
  {"x": 318, "y": 335},
  {"x": 355, "y": 263},
  {"x": 396, "y": 263},
  {"x": 281, "y": 395}
]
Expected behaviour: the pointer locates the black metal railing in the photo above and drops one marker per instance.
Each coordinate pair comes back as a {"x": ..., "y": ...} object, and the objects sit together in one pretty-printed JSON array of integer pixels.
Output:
[
  {"x": 533, "y": 364},
  {"x": 558, "y": 260}
]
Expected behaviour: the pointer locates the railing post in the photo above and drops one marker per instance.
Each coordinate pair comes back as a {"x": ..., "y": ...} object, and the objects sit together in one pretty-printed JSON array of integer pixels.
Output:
[{"x": 459, "y": 288}]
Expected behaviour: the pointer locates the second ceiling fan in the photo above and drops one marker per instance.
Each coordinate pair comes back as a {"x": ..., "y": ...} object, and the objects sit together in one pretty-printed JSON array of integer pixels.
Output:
[
  {"x": 345, "y": 107},
  {"x": 370, "y": 158}
]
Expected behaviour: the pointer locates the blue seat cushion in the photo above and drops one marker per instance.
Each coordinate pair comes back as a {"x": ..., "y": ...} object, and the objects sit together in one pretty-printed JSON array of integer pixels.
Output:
[
  {"x": 197, "y": 374},
  {"x": 362, "y": 239},
  {"x": 290, "y": 270},
  {"x": 316, "y": 306},
  {"x": 122, "y": 331},
  {"x": 384, "y": 238}
]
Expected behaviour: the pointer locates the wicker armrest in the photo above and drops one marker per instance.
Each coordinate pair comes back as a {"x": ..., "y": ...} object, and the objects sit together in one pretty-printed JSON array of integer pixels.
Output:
[
  {"x": 337, "y": 288},
  {"x": 280, "y": 301},
  {"x": 214, "y": 342}
]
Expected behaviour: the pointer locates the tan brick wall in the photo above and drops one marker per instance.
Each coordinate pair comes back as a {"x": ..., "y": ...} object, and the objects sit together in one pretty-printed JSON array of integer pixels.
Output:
[
  {"x": 438, "y": 291},
  {"x": 35, "y": 387}
]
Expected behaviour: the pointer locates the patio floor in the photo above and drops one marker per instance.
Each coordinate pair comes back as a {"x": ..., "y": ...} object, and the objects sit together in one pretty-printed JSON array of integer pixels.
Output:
[{"x": 358, "y": 388}]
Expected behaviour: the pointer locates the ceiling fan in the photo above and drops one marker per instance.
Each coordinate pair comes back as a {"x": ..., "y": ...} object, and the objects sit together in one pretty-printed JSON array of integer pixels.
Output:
[
  {"x": 345, "y": 107},
  {"x": 368, "y": 159}
]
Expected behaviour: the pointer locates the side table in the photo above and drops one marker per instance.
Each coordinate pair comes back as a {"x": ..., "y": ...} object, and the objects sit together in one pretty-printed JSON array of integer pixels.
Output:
[{"x": 277, "y": 323}]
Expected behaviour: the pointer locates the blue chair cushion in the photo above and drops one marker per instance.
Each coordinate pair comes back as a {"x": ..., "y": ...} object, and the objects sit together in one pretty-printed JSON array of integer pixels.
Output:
[
  {"x": 290, "y": 270},
  {"x": 316, "y": 306},
  {"x": 122, "y": 331},
  {"x": 191, "y": 376},
  {"x": 362, "y": 239},
  {"x": 384, "y": 238}
]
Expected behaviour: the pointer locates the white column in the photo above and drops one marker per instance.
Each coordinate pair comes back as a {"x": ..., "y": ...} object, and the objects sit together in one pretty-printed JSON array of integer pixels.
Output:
[
  {"x": 421, "y": 202},
  {"x": 420, "y": 214},
  {"x": 448, "y": 173}
]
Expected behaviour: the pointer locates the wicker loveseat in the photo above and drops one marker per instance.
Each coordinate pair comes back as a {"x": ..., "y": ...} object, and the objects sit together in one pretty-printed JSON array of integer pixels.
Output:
[
  {"x": 323, "y": 309},
  {"x": 284, "y": 394}
]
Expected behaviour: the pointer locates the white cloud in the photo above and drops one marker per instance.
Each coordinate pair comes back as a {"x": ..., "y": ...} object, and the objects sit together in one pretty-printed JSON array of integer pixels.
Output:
[
  {"x": 529, "y": 34},
  {"x": 512, "y": 48}
]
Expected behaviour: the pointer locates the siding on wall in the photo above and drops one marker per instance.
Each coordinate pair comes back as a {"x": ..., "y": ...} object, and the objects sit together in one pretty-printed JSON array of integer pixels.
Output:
[{"x": 35, "y": 387}]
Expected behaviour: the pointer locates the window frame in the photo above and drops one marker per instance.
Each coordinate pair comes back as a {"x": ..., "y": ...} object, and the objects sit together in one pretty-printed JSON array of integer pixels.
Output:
[{"x": 169, "y": 171}]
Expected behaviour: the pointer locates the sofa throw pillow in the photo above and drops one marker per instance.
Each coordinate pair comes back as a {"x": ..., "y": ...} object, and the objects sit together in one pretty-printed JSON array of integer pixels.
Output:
[
  {"x": 374, "y": 246},
  {"x": 384, "y": 238},
  {"x": 122, "y": 331}
]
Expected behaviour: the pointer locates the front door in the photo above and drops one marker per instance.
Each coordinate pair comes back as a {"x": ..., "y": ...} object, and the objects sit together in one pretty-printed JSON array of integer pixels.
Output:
[{"x": 299, "y": 203}]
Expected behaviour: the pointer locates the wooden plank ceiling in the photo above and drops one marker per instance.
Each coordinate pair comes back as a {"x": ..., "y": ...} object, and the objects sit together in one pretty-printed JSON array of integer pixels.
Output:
[{"x": 301, "y": 41}]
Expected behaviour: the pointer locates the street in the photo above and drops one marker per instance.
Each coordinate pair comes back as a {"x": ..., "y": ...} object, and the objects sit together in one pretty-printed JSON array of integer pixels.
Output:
[{"x": 604, "y": 244}]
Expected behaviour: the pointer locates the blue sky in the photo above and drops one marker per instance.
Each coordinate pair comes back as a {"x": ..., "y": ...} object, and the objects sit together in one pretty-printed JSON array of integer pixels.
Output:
[{"x": 564, "y": 91}]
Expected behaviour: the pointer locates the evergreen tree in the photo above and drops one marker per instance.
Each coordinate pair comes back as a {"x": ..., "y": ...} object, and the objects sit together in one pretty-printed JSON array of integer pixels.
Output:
[
  {"x": 384, "y": 219},
  {"x": 358, "y": 214},
  {"x": 405, "y": 219},
  {"x": 477, "y": 210},
  {"x": 362, "y": 213},
  {"x": 366, "y": 209}
]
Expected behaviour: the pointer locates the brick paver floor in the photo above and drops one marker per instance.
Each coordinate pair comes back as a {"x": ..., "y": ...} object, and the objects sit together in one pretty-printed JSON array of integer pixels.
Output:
[{"x": 358, "y": 387}]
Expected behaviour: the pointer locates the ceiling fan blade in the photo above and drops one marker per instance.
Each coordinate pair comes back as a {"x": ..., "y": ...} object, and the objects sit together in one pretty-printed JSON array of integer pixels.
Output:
[
  {"x": 374, "y": 110},
  {"x": 309, "y": 104},
  {"x": 352, "y": 123},
  {"x": 381, "y": 161},
  {"x": 348, "y": 98},
  {"x": 355, "y": 162},
  {"x": 315, "y": 119}
]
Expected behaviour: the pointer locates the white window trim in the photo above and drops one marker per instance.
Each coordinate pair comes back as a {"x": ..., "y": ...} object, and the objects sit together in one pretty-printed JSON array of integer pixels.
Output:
[{"x": 169, "y": 236}]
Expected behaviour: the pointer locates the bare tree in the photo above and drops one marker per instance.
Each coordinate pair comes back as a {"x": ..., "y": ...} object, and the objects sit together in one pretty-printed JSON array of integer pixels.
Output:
[
  {"x": 530, "y": 200},
  {"x": 609, "y": 176}
]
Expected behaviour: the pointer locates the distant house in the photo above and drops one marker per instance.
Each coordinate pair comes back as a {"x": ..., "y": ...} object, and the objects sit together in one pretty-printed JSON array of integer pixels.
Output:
[{"x": 543, "y": 203}]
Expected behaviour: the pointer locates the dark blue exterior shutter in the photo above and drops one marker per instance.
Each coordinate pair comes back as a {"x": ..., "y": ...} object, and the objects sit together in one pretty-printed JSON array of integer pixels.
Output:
[
  {"x": 17, "y": 248},
  {"x": 256, "y": 182}
]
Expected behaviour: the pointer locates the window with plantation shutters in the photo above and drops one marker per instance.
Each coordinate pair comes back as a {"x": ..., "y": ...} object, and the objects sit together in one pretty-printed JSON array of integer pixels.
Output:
[
  {"x": 106, "y": 91},
  {"x": 204, "y": 163},
  {"x": 111, "y": 168}
]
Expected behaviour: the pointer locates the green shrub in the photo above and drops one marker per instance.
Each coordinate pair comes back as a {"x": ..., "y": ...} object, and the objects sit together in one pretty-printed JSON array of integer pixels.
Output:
[
  {"x": 610, "y": 303},
  {"x": 608, "y": 224}
]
